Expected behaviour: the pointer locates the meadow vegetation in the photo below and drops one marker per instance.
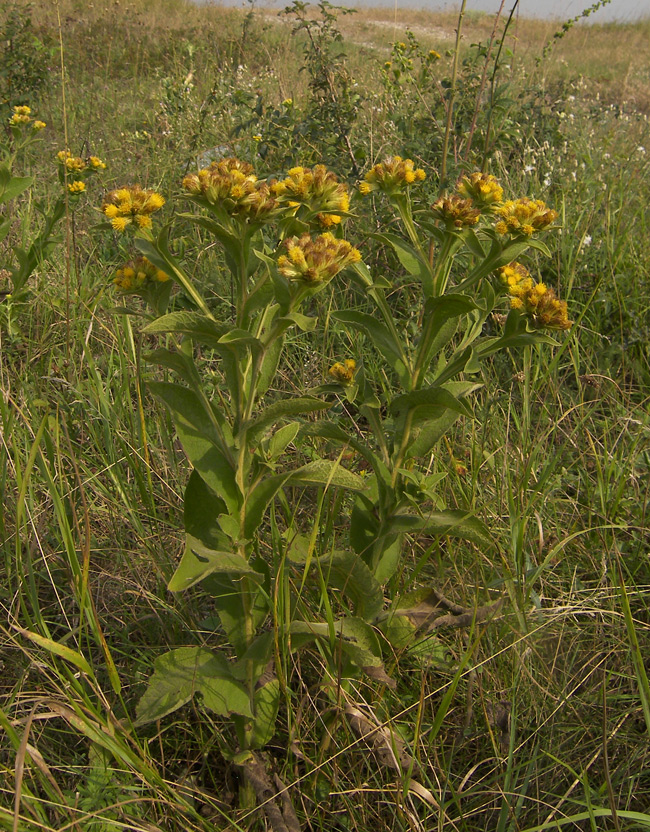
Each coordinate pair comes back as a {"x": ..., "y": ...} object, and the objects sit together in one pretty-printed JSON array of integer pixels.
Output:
[{"x": 324, "y": 426}]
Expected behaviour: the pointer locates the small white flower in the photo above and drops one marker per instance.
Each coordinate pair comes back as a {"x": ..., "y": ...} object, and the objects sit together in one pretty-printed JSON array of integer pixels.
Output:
[
  {"x": 640, "y": 149},
  {"x": 586, "y": 240}
]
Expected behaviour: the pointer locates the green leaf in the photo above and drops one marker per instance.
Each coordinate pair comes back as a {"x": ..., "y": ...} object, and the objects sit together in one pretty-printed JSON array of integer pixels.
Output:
[
  {"x": 451, "y": 522},
  {"x": 201, "y": 440},
  {"x": 348, "y": 572},
  {"x": 412, "y": 261},
  {"x": 176, "y": 361},
  {"x": 431, "y": 400},
  {"x": 266, "y": 702},
  {"x": 326, "y": 472},
  {"x": 354, "y": 637},
  {"x": 12, "y": 186},
  {"x": 61, "y": 650},
  {"x": 199, "y": 561},
  {"x": 380, "y": 336},
  {"x": 180, "y": 674},
  {"x": 233, "y": 599},
  {"x": 201, "y": 327},
  {"x": 159, "y": 254},
  {"x": 274, "y": 412},
  {"x": 201, "y": 510},
  {"x": 303, "y": 322},
  {"x": 282, "y": 437}
]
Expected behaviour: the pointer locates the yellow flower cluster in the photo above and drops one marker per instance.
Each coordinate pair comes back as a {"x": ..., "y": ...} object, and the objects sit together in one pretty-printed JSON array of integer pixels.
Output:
[
  {"x": 391, "y": 176},
  {"x": 73, "y": 169},
  {"x": 22, "y": 115},
  {"x": 131, "y": 205},
  {"x": 456, "y": 212},
  {"x": 343, "y": 372},
  {"x": 535, "y": 300},
  {"x": 137, "y": 275},
  {"x": 524, "y": 217},
  {"x": 318, "y": 189},
  {"x": 483, "y": 189},
  {"x": 433, "y": 55},
  {"x": 232, "y": 185},
  {"x": 316, "y": 261}
]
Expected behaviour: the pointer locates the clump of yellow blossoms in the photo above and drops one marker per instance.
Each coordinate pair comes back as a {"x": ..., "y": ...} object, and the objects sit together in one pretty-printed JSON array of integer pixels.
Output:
[
  {"x": 232, "y": 185},
  {"x": 343, "y": 372},
  {"x": 73, "y": 170},
  {"x": 318, "y": 189},
  {"x": 524, "y": 217},
  {"x": 535, "y": 300},
  {"x": 131, "y": 205},
  {"x": 392, "y": 176},
  {"x": 138, "y": 275},
  {"x": 316, "y": 261},
  {"x": 22, "y": 115},
  {"x": 456, "y": 212},
  {"x": 483, "y": 189}
]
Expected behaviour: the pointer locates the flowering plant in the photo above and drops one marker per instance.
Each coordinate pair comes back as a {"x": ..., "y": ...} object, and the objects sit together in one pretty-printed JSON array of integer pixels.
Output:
[{"x": 245, "y": 538}]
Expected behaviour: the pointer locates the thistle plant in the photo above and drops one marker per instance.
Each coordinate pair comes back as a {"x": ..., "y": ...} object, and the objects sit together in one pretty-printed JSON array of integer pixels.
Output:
[{"x": 245, "y": 539}]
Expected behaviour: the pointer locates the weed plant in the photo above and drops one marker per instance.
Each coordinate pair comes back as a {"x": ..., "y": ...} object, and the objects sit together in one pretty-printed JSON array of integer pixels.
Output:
[{"x": 500, "y": 681}]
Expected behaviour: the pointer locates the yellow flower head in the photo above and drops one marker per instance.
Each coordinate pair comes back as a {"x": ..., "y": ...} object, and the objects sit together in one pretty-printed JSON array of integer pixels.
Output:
[
  {"x": 19, "y": 118},
  {"x": 232, "y": 186},
  {"x": 316, "y": 261},
  {"x": 288, "y": 102},
  {"x": 76, "y": 187},
  {"x": 515, "y": 278},
  {"x": 523, "y": 217},
  {"x": 39, "y": 125},
  {"x": 131, "y": 205},
  {"x": 96, "y": 163},
  {"x": 433, "y": 55},
  {"x": 22, "y": 110},
  {"x": 456, "y": 212},
  {"x": 317, "y": 190},
  {"x": 343, "y": 372},
  {"x": 392, "y": 176},
  {"x": 483, "y": 189},
  {"x": 542, "y": 307},
  {"x": 138, "y": 275}
]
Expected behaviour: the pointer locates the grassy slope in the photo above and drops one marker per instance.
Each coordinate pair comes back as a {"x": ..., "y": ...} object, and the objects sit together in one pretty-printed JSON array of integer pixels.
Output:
[{"x": 551, "y": 717}]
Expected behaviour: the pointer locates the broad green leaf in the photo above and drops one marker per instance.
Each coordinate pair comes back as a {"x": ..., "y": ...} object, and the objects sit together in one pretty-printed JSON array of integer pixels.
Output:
[
  {"x": 303, "y": 322},
  {"x": 176, "y": 361},
  {"x": 232, "y": 597},
  {"x": 388, "y": 557},
  {"x": 348, "y": 572},
  {"x": 180, "y": 674},
  {"x": 201, "y": 327},
  {"x": 412, "y": 261},
  {"x": 382, "y": 338},
  {"x": 266, "y": 702},
  {"x": 198, "y": 562},
  {"x": 274, "y": 412},
  {"x": 326, "y": 472},
  {"x": 12, "y": 186},
  {"x": 201, "y": 510},
  {"x": 159, "y": 254},
  {"x": 354, "y": 637},
  {"x": 281, "y": 439},
  {"x": 430, "y": 402},
  {"x": 201, "y": 440},
  {"x": 451, "y": 522}
]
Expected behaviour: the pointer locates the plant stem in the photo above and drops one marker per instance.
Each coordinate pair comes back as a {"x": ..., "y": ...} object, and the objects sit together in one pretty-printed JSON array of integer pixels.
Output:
[{"x": 452, "y": 96}]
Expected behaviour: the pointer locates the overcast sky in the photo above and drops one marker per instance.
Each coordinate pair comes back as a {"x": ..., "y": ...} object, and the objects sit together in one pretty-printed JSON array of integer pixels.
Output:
[{"x": 622, "y": 10}]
